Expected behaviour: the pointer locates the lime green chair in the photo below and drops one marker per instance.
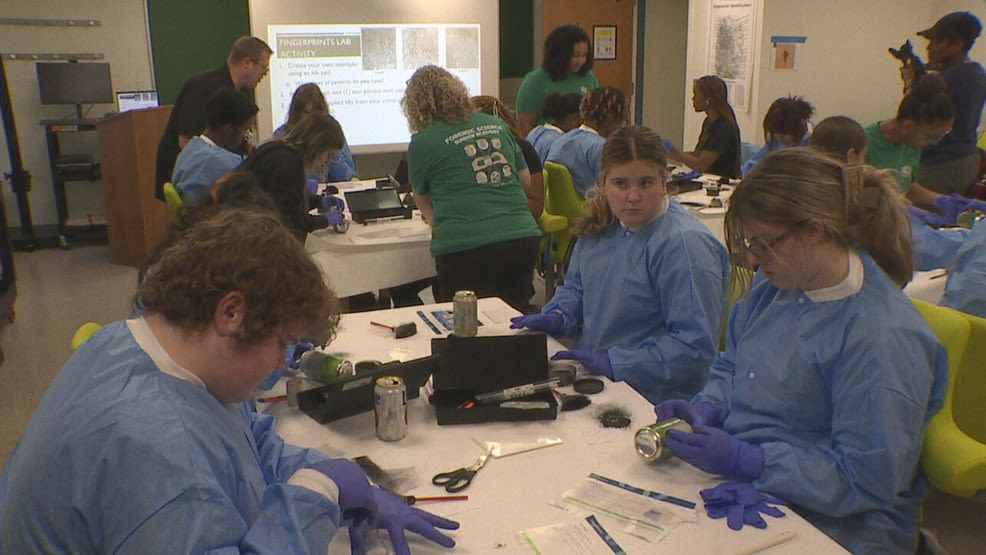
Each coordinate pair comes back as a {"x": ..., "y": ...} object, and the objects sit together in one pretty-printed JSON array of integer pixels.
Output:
[
  {"x": 953, "y": 455},
  {"x": 549, "y": 224},
  {"x": 83, "y": 334},
  {"x": 563, "y": 200},
  {"x": 176, "y": 206}
]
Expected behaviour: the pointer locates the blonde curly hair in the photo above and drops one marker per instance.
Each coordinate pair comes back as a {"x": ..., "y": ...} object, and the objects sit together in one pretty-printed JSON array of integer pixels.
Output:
[{"x": 434, "y": 94}]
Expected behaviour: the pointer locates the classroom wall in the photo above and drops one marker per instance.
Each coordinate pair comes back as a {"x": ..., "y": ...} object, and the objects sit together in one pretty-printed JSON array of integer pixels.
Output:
[
  {"x": 123, "y": 39},
  {"x": 843, "y": 67},
  {"x": 665, "y": 37}
]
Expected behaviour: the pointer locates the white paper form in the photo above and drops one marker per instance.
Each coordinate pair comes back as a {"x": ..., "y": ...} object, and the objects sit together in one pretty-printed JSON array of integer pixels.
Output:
[
  {"x": 645, "y": 514},
  {"x": 582, "y": 537}
]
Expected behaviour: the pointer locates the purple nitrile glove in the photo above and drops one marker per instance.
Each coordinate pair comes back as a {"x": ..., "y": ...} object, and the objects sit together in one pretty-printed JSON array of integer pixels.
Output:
[
  {"x": 329, "y": 202},
  {"x": 740, "y": 503},
  {"x": 312, "y": 185},
  {"x": 701, "y": 413},
  {"x": 929, "y": 218},
  {"x": 552, "y": 323},
  {"x": 334, "y": 217},
  {"x": 716, "y": 452},
  {"x": 395, "y": 516},
  {"x": 292, "y": 356},
  {"x": 356, "y": 498},
  {"x": 668, "y": 145},
  {"x": 597, "y": 363},
  {"x": 953, "y": 205}
]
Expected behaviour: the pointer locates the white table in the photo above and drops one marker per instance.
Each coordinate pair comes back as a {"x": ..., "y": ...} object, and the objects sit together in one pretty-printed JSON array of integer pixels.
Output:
[
  {"x": 697, "y": 203},
  {"x": 514, "y": 493},
  {"x": 373, "y": 256}
]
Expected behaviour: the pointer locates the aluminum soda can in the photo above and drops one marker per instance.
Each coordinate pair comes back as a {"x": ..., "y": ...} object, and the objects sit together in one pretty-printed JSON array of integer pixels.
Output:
[
  {"x": 390, "y": 408},
  {"x": 324, "y": 367},
  {"x": 465, "y": 322},
  {"x": 649, "y": 440}
]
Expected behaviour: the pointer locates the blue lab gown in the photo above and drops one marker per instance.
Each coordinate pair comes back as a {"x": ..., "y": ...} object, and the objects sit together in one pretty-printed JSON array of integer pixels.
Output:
[
  {"x": 341, "y": 168},
  {"x": 579, "y": 151},
  {"x": 199, "y": 165},
  {"x": 935, "y": 248},
  {"x": 837, "y": 394},
  {"x": 542, "y": 137},
  {"x": 966, "y": 287},
  {"x": 654, "y": 300},
  {"x": 121, "y": 457}
]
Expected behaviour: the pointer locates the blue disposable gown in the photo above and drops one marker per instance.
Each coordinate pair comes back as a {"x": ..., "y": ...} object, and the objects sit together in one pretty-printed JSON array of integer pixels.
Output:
[
  {"x": 837, "y": 394},
  {"x": 935, "y": 248},
  {"x": 654, "y": 300},
  {"x": 123, "y": 458},
  {"x": 966, "y": 287},
  {"x": 579, "y": 151},
  {"x": 542, "y": 137},
  {"x": 341, "y": 168},
  {"x": 199, "y": 165}
]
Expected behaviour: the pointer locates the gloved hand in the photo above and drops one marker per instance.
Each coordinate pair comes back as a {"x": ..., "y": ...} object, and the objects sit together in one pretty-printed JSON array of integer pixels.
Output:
[
  {"x": 334, "y": 217},
  {"x": 396, "y": 516},
  {"x": 701, "y": 413},
  {"x": 928, "y": 218},
  {"x": 597, "y": 363},
  {"x": 953, "y": 205},
  {"x": 716, "y": 452},
  {"x": 740, "y": 503},
  {"x": 356, "y": 497},
  {"x": 668, "y": 145},
  {"x": 312, "y": 185},
  {"x": 552, "y": 322},
  {"x": 329, "y": 202},
  {"x": 292, "y": 356}
]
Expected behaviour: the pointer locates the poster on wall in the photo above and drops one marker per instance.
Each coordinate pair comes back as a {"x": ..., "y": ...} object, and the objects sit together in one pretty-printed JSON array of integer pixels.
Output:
[
  {"x": 604, "y": 42},
  {"x": 731, "y": 44},
  {"x": 785, "y": 52}
]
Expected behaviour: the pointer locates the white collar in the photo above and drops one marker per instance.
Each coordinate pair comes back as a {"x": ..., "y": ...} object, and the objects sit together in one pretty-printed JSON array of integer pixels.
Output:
[
  {"x": 208, "y": 140},
  {"x": 587, "y": 128},
  {"x": 149, "y": 343},
  {"x": 555, "y": 127},
  {"x": 849, "y": 286}
]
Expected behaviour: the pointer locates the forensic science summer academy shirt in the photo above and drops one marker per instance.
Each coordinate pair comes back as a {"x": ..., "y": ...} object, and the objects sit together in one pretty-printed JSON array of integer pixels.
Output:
[{"x": 469, "y": 170}]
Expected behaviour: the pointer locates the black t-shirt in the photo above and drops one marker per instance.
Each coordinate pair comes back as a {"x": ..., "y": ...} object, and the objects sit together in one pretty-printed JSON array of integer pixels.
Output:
[
  {"x": 188, "y": 118},
  {"x": 722, "y": 136},
  {"x": 281, "y": 172}
]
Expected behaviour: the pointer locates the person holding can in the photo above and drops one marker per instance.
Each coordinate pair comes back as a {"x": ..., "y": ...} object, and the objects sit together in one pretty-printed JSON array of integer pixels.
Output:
[
  {"x": 829, "y": 374},
  {"x": 645, "y": 292},
  {"x": 145, "y": 442},
  {"x": 467, "y": 172}
]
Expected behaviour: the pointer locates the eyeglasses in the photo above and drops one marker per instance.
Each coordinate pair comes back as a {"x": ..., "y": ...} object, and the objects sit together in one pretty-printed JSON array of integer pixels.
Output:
[
  {"x": 764, "y": 250},
  {"x": 262, "y": 66}
]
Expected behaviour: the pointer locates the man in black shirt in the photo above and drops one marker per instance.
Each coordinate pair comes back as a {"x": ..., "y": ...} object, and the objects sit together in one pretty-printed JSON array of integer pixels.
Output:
[{"x": 247, "y": 63}]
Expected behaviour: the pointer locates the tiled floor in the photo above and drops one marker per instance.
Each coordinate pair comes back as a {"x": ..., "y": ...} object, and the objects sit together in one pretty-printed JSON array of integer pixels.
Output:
[{"x": 60, "y": 290}]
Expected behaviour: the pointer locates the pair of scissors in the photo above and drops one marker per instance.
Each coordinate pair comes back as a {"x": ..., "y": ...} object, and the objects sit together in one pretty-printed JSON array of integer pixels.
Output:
[{"x": 458, "y": 480}]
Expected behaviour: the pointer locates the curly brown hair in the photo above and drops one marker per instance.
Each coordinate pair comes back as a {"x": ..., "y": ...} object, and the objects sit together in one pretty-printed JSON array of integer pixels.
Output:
[
  {"x": 603, "y": 104},
  {"x": 433, "y": 94},
  {"x": 251, "y": 252}
]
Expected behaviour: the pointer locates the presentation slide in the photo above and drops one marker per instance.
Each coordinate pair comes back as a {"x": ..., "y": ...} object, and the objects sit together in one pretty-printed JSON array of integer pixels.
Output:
[{"x": 363, "y": 71}]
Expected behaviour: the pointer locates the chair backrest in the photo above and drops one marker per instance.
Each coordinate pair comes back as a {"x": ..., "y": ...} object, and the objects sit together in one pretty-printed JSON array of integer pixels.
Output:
[
  {"x": 969, "y": 384},
  {"x": 564, "y": 200},
  {"x": 176, "y": 206},
  {"x": 954, "y": 331}
]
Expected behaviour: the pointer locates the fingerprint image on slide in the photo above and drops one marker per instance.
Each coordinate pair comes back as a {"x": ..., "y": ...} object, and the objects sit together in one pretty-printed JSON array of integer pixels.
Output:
[
  {"x": 379, "y": 48},
  {"x": 420, "y": 47},
  {"x": 462, "y": 47}
]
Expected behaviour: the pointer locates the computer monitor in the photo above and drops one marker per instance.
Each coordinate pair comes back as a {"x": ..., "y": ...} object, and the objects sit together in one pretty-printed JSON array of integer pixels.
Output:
[
  {"x": 135, "y": 100},
  {"x": 74, "y": 82}
]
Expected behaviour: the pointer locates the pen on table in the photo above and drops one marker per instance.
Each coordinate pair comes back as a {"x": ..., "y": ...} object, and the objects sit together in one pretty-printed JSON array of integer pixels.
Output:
[
  {"x": 785, "y": 536},
  {"x": 272, "y": 399},
  {"x": 515, "y": 392},
  {"x": 941, "y": 275},
  {"x": 411, "y": 499}
]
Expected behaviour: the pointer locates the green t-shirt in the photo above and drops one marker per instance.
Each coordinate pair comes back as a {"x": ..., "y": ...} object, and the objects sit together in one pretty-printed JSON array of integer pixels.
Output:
[
  {"x": 469, "y": 170},
  {"x": 900, "y": 158},
  {"x": 537, "y": 84}
]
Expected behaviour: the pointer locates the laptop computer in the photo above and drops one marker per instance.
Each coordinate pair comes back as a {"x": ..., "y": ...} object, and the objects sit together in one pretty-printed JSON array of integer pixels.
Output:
[
  {"x": 376, "y": 204},
  {"x": 355, "y": 395},
  {"x": 135, "y": 100}
]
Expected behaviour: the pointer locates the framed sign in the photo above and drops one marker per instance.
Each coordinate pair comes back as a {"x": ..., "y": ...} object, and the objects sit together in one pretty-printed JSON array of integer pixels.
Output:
[{"x": 604, "y": 42}]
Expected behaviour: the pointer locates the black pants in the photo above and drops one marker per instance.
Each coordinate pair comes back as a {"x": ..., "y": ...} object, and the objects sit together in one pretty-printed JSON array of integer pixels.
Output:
[{"x": 498, "y": 270}]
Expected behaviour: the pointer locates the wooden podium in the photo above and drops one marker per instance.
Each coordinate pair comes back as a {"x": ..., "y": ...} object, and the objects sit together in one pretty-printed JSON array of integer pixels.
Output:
[{"x": 136, "y": 221}]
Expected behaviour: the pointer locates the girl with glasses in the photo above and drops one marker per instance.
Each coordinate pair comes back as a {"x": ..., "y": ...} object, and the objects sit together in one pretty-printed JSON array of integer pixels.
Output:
[{"x": 829, "y": 374}]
